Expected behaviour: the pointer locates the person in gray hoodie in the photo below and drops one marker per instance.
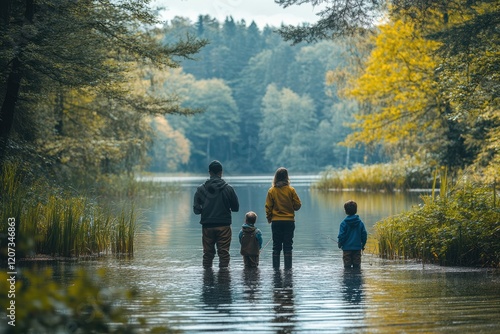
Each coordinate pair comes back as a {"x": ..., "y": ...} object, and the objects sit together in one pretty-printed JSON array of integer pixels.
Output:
[
  {"x": 250, "y": 241},
  {"x": 352, "y": 236},
  {"x": 215, "y": 200}
]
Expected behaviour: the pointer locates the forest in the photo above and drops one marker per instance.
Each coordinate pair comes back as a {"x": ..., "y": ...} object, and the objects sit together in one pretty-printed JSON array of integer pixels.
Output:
[
  {"x": 266, "y": 103},
  {"x": 94, "y": 93},
  {"x": 112, "y": 97}
]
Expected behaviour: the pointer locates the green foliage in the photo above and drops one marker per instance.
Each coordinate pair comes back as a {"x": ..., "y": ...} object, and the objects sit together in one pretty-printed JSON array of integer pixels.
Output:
[
  {"x": 460, "y": 228},
  {"x": 81, "y": 306},
  {"x": 80, "y": 107},
  {"x": 339, "y": 18}
]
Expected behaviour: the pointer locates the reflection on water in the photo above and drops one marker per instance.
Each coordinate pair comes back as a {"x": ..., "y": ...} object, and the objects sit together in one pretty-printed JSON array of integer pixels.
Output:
[
  {"x": 216, "y": 292},
  {"x": 317, "y": 296},
  {"x": 252, "y": 282},
  {"x": 352, "y": 286},
  {"x": 283, "y": 297}
]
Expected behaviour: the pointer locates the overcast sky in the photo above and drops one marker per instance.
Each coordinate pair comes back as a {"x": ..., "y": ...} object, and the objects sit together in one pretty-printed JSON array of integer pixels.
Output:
[{"x": 263, "y": 12}]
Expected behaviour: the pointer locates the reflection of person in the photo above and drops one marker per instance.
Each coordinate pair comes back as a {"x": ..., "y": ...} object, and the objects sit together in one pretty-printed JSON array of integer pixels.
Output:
[
  {"x": 251, "y": 279},
  {"x": 352, "y": 286},
  {"x": 216, "y": 290},
  {"x": 283, "y": 297},
  {"x": 215, "y": 200},
  {"x": 250, "y": 240},
  {"x": 352, "y": 236},
  {"x": 281, "y": 203}
]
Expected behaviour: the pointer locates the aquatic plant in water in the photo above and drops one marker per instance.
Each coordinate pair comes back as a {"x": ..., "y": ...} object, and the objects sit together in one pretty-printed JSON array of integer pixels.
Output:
[
  {"x": 459, "y": 228},
  {"x": 53, "y": 222}
]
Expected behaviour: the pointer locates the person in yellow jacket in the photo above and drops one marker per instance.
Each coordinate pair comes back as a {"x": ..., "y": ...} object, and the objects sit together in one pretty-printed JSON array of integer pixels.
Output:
[{"x": 281, "y": 203}]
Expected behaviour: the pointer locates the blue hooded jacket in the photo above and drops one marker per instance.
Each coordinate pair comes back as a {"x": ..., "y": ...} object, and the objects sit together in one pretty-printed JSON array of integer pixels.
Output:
[{"x": 352, "y": 234}]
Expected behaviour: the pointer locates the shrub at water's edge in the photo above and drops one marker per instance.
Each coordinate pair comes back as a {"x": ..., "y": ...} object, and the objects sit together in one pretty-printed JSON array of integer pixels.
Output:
[
  {"x": 461, "y": 228},
  {"x": 56, "y": 222}
]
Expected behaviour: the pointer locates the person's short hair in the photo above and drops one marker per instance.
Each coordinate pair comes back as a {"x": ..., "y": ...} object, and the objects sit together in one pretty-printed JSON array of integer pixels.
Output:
[
  {"x": 215, "y": 167},
  {"x": 250, "y": 217},
  {"x": 350, "y": 208}
]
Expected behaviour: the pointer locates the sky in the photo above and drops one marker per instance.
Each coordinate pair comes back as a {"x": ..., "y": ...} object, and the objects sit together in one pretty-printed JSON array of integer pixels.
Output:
[{"x": 263, "y": 12}]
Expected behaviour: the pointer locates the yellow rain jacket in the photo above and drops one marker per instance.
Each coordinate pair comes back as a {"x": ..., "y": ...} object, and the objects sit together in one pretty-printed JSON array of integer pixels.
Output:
[{"x": 281, "y": 203}]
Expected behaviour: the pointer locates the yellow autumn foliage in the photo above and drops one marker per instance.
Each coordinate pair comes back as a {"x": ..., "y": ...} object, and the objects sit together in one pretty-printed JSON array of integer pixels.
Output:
[{"x": 398, "y": 84}]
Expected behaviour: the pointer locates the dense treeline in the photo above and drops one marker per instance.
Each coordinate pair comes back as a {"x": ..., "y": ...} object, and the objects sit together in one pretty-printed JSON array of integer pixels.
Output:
[{"x": 266, "y": 103}]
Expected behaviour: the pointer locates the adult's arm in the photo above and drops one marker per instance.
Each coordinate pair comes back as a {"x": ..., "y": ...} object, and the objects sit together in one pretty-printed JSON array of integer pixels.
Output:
[
  {"x": 296, "y": 200},
  {"x": 198, "y": 202}
]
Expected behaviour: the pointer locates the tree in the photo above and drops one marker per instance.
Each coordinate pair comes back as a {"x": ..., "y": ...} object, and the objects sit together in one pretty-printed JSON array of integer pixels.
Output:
[
  {"x": 339, "y": 18},
  {"x": 469, "y": 75},
  {"x": 80, "y": 46},
  {"x": 287, "y": 129},
  {"x": 170, "y": 148},
  {"x": 214, "y": 132},
  {"x": 398, "y": 85},
  {"x": 466, "y": 67}
]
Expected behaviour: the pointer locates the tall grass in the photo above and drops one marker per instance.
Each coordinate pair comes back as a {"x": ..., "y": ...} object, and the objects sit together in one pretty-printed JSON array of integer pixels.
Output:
[
  {"x": 379, "y": 177},
  {"x": 124, "y": 232},
  {"x": 461, "y": 226},
  {"x": 52, "y": 222}
]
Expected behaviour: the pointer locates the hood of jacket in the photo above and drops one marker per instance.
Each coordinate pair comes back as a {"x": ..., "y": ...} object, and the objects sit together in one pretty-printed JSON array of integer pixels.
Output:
[
  {"x": 215, "y": 185},
  {"x": 248, "y": 228},
  {"x": 353, "y": 220}
]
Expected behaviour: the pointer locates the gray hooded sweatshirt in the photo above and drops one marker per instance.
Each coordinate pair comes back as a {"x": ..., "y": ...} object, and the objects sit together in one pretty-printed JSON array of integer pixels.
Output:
[{"x": 215, "y": 200}]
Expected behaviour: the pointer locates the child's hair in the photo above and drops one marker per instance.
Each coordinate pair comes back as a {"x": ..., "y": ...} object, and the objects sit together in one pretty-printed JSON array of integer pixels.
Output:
[
  {"x": 250, "y": 218},
  {"x": 350, "y": 208},
  {"x": 281, "y": 176}
]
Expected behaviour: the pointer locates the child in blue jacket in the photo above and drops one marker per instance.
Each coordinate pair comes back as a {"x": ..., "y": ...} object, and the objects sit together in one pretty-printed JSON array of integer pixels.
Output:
[{"x": 352, "y": 236}]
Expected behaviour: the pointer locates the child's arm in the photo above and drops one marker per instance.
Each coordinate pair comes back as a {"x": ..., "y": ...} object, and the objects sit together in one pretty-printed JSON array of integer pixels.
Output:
[{"x": 341, "y": 236}]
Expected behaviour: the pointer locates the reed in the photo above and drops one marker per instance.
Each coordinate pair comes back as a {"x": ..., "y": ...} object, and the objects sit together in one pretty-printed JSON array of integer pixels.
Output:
[
  {"x": 378, "y": 177},
  {"x": 54, "y": 222},
  {"x": 124, "y": 232},
  {"x": 458, "y": 227}
]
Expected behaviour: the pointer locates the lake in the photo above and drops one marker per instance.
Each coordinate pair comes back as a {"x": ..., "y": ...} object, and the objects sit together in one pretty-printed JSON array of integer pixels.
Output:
[{"x": 317, "y": 296}]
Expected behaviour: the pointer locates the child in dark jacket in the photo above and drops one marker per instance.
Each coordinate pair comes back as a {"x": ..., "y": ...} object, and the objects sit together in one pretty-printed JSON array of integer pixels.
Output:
[
  {"x": 352, "y": 236},
  {"x": 250, "y": 240}
]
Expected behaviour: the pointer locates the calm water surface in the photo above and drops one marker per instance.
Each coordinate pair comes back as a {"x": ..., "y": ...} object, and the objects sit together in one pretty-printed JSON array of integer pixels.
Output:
[{"x": 317, "y": 296}]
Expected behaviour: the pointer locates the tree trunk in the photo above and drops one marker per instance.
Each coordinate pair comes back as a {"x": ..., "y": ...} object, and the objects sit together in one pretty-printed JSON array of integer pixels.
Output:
[
  {"x": 13, "y": 80},
  {"x": 9, "y": 105}
]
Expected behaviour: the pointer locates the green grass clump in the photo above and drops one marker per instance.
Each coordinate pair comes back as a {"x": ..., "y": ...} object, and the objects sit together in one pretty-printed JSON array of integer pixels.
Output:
[{"x": 460, "y": 228}]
